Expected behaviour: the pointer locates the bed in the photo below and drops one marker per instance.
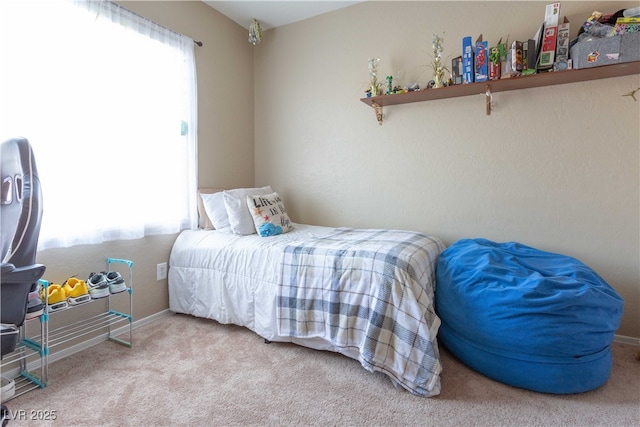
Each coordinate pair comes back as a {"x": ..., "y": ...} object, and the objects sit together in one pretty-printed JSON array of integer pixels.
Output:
[{"x": 365, "y": 293}]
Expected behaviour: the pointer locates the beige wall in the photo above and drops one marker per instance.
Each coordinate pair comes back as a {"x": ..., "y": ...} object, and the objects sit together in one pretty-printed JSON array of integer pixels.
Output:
[
  {"x": 225, "y": 104},
  {"x": 556, "y": 167},
  {"x": 552, "y": 167}
]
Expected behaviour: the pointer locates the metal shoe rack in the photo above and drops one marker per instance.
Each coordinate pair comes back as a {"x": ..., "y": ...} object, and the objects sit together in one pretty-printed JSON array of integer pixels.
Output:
[
  {"x": 31, "y": 348},
  {"x": 28, "y": 351}
]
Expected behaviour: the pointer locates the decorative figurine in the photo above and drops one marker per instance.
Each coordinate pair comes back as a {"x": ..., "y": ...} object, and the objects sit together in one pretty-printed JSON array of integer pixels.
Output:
[
  {"x": 438, "y": 67},
  {"x": 374, "y": 86},
  {"x": 413, "y": 87}
]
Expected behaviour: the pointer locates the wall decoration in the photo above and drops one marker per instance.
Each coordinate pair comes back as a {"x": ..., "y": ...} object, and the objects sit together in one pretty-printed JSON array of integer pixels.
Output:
[{"x": 255, "y": 32}]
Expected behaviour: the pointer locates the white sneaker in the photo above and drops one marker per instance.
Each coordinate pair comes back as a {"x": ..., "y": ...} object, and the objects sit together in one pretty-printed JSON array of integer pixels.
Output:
[
  {"x": 116, "y": 282},
  {"x": 35, "y": 307},
  {"x": 98, "y": 285},
  {"x": 7, "y": 389}
]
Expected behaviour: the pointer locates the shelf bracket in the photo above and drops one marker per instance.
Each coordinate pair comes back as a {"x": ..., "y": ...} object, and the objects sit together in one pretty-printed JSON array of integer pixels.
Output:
[
  {"x": 378, "y": 109},
  {"x": 487, "y": 100}
]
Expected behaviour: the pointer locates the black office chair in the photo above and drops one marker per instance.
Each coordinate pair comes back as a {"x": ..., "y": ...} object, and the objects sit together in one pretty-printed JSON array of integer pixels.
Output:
[{"x": 21, "y": 213}]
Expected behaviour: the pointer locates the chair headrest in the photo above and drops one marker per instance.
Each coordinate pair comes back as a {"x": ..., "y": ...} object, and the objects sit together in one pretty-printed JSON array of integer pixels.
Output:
[{"x": 20, "y": 203}]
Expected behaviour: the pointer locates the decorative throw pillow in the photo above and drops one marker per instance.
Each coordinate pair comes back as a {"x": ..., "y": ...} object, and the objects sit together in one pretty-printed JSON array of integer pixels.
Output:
[
  {"x": 269, "y": 215},
  {"x": 216, "y": 210},
  {"x": 235, "y": 200}
]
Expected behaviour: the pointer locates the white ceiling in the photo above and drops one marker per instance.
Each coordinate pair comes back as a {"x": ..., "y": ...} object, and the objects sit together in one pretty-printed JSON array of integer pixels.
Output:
[{"x": 272, "y": 13}]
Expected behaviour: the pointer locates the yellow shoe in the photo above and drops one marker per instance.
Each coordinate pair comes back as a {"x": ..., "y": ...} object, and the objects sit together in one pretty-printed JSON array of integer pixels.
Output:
[
  {"x": 56, "y": 298},
  {"x": 76, "y": 290}
]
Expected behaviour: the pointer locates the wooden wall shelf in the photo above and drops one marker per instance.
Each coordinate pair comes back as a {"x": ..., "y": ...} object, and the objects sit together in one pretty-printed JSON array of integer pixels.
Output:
[{"x": 513, "y": 83}]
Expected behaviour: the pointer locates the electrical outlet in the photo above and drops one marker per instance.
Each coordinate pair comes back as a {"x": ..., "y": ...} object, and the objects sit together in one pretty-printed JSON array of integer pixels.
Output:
[{"x": 161, "y": 271}]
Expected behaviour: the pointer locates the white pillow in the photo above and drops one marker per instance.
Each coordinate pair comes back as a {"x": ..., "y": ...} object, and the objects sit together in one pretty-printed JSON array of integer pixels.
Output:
[
  {"x": 216, "y": 209},
  {"x": 235, "y": 200},
  {"x": 269, "y": 215}
]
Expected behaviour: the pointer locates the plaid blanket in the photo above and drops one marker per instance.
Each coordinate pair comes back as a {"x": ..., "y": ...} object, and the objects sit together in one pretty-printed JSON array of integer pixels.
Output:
[{"x": 372, "y": 290}]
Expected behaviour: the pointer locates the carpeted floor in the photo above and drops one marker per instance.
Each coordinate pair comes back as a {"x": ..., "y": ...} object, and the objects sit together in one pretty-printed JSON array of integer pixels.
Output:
[{"x": 185, "y": 371}]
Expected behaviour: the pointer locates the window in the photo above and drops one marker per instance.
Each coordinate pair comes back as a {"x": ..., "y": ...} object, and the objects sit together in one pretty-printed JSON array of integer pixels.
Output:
[{"x": 108, "y": 101}]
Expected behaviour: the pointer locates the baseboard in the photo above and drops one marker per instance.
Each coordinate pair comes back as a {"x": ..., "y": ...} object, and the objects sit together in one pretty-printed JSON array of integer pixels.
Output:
[
  {"x": 626, "y": 340},
  {"x": 58, "y": 355}
]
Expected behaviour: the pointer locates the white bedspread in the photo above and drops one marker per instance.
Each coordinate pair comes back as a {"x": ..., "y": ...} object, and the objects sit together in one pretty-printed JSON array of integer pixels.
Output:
[
  {"x": 236, "y": 279},
  {"x": 248, "y": 266}
]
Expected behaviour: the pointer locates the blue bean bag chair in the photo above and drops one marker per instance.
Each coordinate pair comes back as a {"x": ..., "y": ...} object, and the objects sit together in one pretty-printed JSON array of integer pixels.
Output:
[{"x": 528, "y": 318}]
